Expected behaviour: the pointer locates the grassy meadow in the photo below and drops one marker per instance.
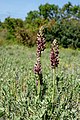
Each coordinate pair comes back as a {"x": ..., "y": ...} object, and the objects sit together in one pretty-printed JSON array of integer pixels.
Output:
[{"x": 18, "y": 98}]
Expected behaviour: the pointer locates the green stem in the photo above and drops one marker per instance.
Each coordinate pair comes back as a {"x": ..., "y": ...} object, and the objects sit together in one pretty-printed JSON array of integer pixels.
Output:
[
  {"x": 53, "y": 90},
  {"x": 53, "y": 94},
  {"x": 38, "y": 88}
]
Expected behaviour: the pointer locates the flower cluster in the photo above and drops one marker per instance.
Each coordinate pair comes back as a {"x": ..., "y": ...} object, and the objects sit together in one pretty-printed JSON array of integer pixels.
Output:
[
  {"x": 37, "y": 67},
  {"x": 40, "y": 48},
  {"x": 54, "y": 54},
  {"x": 40, "y": 42}
]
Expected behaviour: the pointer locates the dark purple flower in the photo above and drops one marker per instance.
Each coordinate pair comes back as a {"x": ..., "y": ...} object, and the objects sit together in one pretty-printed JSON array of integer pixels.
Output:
[
  {"x": 40, "y": 43},
  {"x": 54, "y": 55},
  {"x": 37, "y": 67}
]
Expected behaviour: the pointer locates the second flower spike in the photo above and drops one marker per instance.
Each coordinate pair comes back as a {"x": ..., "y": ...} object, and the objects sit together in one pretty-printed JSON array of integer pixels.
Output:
[{"x": 54, "y": 54}]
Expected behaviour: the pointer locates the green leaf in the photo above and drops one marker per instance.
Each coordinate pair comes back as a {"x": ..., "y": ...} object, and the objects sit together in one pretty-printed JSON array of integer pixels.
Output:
[{"x": 1, "y": 112}]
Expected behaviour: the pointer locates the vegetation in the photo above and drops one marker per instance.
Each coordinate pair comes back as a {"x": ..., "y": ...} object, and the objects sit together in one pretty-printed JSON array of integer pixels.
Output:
[
  {"x": 60, "y": 23},
  {"x": 18, "y": 93}
]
